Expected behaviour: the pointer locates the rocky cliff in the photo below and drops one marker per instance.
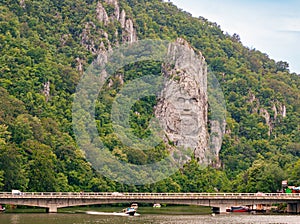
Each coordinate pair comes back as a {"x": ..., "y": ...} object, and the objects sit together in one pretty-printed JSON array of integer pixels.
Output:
[
  {"x": 97, "y": 40},
  {"x": 183, "y": 104}
]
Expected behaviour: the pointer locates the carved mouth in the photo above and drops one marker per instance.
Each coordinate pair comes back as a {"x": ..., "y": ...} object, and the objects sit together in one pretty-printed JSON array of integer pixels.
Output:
[
  {"x": 188, "y": 114},
  {"x": 189, "y": 122}
]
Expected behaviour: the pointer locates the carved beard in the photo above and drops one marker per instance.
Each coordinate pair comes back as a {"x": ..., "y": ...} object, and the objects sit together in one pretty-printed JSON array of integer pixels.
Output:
[{"x": 189, "y": 125}]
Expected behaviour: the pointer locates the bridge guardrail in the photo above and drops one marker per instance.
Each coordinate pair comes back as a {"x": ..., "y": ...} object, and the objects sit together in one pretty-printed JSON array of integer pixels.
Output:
[{"x": 114, "y": 195}]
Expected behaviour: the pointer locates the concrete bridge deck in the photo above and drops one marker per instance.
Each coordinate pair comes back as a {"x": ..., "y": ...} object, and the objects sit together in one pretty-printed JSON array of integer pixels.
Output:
[{"x": 54, "y": 200}]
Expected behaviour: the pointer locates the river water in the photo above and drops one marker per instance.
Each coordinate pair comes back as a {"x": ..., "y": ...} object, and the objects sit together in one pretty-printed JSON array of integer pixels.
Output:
[
  {"x": 144, "y": 219},
  {"x": 97, "y": 217}
]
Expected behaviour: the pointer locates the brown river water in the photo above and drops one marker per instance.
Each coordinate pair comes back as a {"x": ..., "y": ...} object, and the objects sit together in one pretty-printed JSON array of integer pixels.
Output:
[{"x": 176, "y": 215}]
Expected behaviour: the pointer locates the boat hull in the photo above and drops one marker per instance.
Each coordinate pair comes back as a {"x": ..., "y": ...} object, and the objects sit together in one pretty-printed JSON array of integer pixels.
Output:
[
  {"x": 130, "y": 213},
  {"x": 239, "y": 209}
]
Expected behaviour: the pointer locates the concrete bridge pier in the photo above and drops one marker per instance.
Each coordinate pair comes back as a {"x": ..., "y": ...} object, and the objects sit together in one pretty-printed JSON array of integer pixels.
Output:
[
  {"x": 223, "y": 208},
  {"x": 51, "y": 209},
  {"x": 293, "y": 208},
  {"x": 219, "y": 209}
]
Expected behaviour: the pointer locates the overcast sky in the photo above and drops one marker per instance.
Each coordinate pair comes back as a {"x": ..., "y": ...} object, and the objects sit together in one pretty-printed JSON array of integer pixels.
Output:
[{"x": 271, "y": 26}]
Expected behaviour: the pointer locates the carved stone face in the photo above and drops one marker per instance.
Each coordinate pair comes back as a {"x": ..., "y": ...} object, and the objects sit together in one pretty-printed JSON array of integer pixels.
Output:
[
  {"x": 182, "y": 107},
  {"x": 180, "y": 112},
  {"x": 187, "y": 109}
]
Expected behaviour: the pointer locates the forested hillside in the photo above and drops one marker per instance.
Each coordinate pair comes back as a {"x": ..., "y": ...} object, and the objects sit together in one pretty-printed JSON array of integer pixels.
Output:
[{"x": 47, "y": 44}]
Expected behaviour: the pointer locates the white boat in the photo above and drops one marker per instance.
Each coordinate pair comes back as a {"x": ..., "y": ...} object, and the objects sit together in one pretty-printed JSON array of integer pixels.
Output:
[
  {"x": 2, "y": 209},
  {"x": 156, "y": 205},
  {"x": 110, "y": 213},
  {"x": 125, "y": 212},
  {"x": 129, "y": 211}
]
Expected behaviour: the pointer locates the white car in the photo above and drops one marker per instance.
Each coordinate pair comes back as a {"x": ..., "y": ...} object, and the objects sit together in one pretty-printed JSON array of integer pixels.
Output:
[
  {"x": 16, "y": 192},
  {"x": 117, "y": 194}
]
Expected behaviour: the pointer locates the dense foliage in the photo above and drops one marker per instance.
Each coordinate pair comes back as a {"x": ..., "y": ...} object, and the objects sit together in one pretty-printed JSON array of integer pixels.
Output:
[{"x": 41, "y": 43}]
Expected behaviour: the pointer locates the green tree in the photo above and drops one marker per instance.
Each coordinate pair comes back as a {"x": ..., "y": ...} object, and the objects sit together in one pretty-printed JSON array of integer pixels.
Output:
[
  {"x": 41, "y": 167},
  {"x": 262, "y": 176},
  {"x": 12, "y": 164}
]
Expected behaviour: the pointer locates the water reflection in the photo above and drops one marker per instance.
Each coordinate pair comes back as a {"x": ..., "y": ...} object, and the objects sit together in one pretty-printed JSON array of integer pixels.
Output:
[
  {"x": 15, "y": 219},
  {"x": 146, "y": 219}
]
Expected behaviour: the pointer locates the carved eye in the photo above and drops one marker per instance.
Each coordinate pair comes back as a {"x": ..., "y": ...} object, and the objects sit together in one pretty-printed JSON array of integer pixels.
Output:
[
  {"x": 193, "y": 100},
  {"x": 181, "y": 100}
]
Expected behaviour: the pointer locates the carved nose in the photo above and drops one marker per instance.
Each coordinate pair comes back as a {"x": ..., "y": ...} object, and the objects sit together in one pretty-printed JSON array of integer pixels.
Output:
[{"x": 187, "y": 105}]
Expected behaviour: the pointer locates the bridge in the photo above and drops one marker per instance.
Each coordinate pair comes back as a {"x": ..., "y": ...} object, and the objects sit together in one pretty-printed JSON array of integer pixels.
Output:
[{"x": 54, "y": 200}]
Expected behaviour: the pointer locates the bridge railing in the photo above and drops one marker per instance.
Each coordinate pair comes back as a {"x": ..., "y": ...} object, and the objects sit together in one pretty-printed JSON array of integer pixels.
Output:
[{"x": 153, "y": 195}]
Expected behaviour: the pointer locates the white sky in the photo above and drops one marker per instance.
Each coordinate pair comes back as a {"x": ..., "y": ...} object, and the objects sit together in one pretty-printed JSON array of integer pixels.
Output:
[{"x": 271, "y": 26}]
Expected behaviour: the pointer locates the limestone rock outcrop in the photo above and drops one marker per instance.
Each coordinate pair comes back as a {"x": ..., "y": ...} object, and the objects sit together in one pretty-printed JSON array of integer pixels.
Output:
[
  {"x": 23, "y": 4},
  {"x": 102, "y": 14},
  {"x": 182, "y": 108},
  {"x": 46, "y": 90},
  {"x": 129, "y": 33},
  {"x": 97, "y": 40},
  {"x": 217, "y": 131},
  {"x": 123, "y": 18},
  {"x": 277, "y": 109}
]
